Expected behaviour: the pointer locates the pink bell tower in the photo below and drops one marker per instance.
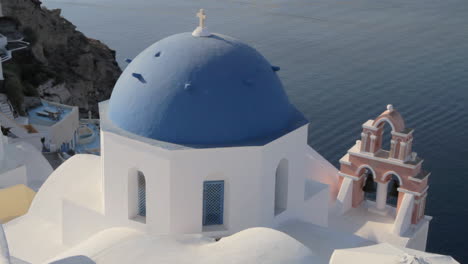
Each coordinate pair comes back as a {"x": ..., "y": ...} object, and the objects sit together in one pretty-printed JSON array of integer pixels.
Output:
[{"x": 367, "y": 159}]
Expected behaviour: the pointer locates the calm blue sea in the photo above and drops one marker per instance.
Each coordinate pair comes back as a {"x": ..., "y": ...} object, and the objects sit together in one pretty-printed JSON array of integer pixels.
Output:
[{"x": 342, "y": 62}]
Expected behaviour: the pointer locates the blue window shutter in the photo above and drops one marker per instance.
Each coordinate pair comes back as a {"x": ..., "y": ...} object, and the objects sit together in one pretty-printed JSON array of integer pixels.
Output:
[
  {"x": 213, "y": 202},
  {"x": 141, "y": 194}
]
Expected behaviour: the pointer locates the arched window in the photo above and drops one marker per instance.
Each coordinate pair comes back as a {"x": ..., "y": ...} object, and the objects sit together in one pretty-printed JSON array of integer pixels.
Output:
[
  {"x": 281, "y": 186},
  {"x": 392, "y": 190},
  {"x": 386, "y": 136},
  {"x": 136, "y": 195},
  {"x": 369, "y": 186}
]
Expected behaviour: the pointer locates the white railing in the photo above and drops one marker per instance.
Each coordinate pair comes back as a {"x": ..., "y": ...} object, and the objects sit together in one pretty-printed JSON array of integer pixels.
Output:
[
  {"x": 22, "y": 44},
  {"x": 5, "y": 56},
  {"x": 7, "y": 53}
]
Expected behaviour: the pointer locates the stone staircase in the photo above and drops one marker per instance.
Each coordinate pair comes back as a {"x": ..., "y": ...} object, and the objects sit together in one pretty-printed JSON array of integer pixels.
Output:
[
  {"x": 5, "y": 107},
  {"x": 6, "y": 110}
]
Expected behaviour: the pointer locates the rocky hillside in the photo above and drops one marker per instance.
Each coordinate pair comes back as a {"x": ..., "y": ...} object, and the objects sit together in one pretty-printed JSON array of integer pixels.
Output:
[{"x": 66, "y": 66}]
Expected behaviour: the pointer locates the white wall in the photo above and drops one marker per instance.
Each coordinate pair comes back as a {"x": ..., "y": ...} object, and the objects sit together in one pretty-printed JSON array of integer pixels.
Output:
[
  {"x": 239, "y": 168},
  {"x": 33, "y": 139},
  {"x": 321, "y": 170},
  {"x": 174, "y": 182},
  {"x": 3, "y": 142},
  {"x": 345, "y": 196},
  {"x": 249, "y": 174},
  {"x": 21, "y": 153},
  {"x": 291, "y": 147},
  {"x": 4, "y": 252},
  {"x": 88, "y": 221},
  {"x": 87, "y": 193},
  {"x": 13, "y": 177},
  {"x": 419, "y": 239},
  {"x": 121, "y": 155},
  {"x": 74, "y": 180},
  {"x": 315, "y": 208},
  {"x": 404, "y": 215},
  {"x": 38, "y": 235},
  {"x": 63, "y": 131}
]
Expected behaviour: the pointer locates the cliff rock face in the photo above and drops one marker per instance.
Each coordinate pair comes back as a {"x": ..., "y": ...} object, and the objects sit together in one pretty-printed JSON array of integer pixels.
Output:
[{"x": 86, "y": 68}]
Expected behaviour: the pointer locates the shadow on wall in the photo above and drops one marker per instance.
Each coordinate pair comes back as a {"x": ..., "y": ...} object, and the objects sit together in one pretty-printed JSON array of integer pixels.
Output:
[{"x": 75, "y": 260}]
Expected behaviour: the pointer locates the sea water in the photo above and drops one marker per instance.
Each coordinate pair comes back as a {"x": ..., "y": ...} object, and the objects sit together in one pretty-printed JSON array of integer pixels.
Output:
[{"x": 342, "y": 62}]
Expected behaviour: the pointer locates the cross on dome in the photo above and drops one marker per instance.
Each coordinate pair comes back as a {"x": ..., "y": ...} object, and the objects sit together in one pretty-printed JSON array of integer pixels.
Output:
[
  {"x": 201, "y": 15},
  {"x": 201, "y": 30}
]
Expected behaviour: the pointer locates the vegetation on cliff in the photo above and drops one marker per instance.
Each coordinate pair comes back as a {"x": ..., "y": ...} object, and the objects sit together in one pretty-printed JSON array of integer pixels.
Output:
[{"x": 61, "y": 64}]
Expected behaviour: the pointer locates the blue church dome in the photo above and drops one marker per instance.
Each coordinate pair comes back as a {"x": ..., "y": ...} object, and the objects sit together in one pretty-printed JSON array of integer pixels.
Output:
[{"x": 203, "y": 91}]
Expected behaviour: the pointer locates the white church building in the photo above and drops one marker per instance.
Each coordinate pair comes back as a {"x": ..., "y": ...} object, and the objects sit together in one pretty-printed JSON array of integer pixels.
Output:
[{"x": 198, "y": 137}]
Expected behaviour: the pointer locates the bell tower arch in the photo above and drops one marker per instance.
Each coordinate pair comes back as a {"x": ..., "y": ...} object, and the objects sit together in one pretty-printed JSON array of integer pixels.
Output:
[{"x": 397, "y": 172}]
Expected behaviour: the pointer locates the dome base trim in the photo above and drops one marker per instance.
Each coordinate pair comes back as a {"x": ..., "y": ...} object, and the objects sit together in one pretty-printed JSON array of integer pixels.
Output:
[{"x": 201, "y": 32}]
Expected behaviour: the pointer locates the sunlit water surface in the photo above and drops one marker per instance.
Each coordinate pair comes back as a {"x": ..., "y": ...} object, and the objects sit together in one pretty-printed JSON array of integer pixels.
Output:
[{"x": 341, "y": 63}]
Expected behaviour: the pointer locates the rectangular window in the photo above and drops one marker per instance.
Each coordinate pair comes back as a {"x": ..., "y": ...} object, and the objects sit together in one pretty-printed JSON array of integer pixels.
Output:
[
  {"x": 141, "y": 194},
  {"x": 136, "y": 196},
  {"x": 213, "y": 202}
]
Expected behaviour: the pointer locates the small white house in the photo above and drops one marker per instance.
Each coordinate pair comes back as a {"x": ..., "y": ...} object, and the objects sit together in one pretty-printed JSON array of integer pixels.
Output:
[{"x": 58, "y": 123}]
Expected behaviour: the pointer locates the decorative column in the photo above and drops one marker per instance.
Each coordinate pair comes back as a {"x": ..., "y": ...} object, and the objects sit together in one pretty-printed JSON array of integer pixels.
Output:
[
  {"x": 392, "y": 148},
  {"x": 420, "y": 208},
  {"x": 363, "y": 142},
  {"x": 409, "y": 148},
  {"x": 372, "y": 144},
  {"x": 381, "y": 200},
  {"x": 423, "y": 207},
  {"x": 402, "y": 153}
]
